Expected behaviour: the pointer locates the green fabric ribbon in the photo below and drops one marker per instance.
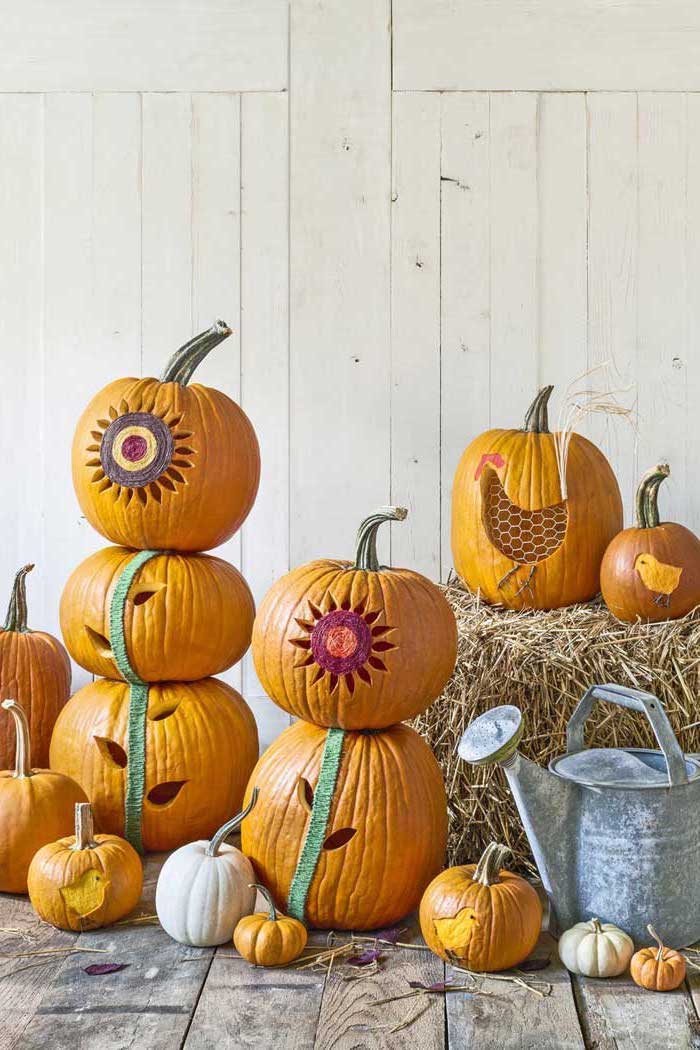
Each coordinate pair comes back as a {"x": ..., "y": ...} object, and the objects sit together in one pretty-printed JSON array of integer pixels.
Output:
[
  {"x": 316, "y": 831},
  {"x": 138, "y": 702}
]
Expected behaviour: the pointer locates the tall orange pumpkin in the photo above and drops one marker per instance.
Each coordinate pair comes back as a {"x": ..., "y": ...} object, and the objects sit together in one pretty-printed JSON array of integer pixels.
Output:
[
  {"x": 355, "y": 644},
  {"x": 201, "y": 743},
  {"x": 356, "y": 853},
  {"x": 516, "y": 537},
  {"x": 161, "y": 465},
  {"x": 35, "y": 670},
  {"x": 186, "y": 616}
]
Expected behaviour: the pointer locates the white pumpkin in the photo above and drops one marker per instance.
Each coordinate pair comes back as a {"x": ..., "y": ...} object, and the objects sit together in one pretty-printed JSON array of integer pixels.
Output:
[
  {"x": 204, "y": 888},
  {"x": 596, "y": 949}
]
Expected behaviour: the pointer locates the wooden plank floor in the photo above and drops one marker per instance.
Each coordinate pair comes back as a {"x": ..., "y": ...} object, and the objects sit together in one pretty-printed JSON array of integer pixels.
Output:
[{"x": 172, "y": 997}]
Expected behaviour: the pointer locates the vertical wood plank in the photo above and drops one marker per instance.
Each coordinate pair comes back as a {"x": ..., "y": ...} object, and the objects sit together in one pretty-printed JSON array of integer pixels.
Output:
[
  {"x": 691, "y": 493},
  {"x": 465, "y": 239},
  {"x": 415, "y": 331},
  {"x": 265, "y": 357},
  {"x": 339, "y": 279},
  {"x": 612, "y": 272}
]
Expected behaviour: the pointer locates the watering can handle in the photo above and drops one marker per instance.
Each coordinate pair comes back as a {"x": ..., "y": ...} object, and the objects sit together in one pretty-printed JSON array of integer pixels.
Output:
[{"x": 634, "y": 700}]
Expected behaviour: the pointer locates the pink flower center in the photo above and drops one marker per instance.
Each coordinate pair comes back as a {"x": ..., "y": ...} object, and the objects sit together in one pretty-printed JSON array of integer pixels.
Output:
[
  {"x": 134, "y": 448},
  {"x": 341, "y": 641}
]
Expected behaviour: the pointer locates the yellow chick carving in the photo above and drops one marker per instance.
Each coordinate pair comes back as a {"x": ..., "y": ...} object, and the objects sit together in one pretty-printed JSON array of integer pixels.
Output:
[
  {"x": 658, "y": 577},
  {"x": 456, "y": 933},
  {"x": 86, "y": 895}
]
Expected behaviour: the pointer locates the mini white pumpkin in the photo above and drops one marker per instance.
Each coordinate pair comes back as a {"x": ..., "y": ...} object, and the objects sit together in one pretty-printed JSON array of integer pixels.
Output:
[
  {"x": 596, "y": 949},
  {"x": 204, "y": 888}
]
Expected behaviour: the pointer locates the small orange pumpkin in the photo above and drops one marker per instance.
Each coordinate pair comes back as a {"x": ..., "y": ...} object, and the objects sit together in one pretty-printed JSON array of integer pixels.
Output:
[
  {"x": 651, "y": 571},
  {"x": 355, "y": 645},
  {"x": 150, "y": 454},
  {"x": 85, "y": 881},
  {"x": 658, "y": 969},
  {"x": 269, "y": 938},
  {"x": 35, "y": 670},
  {"x": 186, "y": 616},
  {"x": 487, "y": 918},
  {"x": 36, "y": 806}
]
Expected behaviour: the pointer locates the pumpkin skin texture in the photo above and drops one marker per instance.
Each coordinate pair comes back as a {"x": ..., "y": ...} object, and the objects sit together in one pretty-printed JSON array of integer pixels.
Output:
[
  {"x": 486, "y": 917},
  {"x": 149, "y": 454},
  {"x": 85, "y": 881},
  {"x": 201, "y": 744},
  {"x": 386, "y": 833},
  {"x": 514, "y": 538},
  {"x": 269, "y": 938},
  {"x": 204, "y": 889},
  {"x": 596, "y": 949},
  {"x": 355, "y": 646},
  {"x": 658, "y": 969},
  {"x": 187, "y": 616},
  {"x": 651, "y": 572},
  {"x": 36, "y": 806},
  {"x": 35, "y": 671}
]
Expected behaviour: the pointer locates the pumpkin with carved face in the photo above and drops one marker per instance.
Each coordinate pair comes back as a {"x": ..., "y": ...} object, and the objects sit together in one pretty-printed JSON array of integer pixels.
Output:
[
  {"x": 201, "y": 743},
  {"x": 186, "y": 616},
  {"x": 380, "y": 842},
  {"x": 519, "y": 537}
]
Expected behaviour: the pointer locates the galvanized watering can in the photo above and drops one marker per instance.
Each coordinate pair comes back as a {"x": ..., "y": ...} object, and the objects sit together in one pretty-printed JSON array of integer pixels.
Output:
[{"x": 615, "y": 831}]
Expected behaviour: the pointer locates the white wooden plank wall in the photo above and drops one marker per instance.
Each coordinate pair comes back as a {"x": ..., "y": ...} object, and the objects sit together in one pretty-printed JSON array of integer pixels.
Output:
[{"x": 412, "y": 213}]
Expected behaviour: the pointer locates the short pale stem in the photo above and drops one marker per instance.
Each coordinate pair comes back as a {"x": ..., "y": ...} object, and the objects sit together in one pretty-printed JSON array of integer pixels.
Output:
[
  {"x": 536, "y": 419},
  {"x": 597, "y": 928},
  {"x": 662, "y": 946},
  {"x": 184, "y": 361},
  {"x": 264, "y": 892},
  {"x": 366, "y": 543},
  {"x": 232, "y": 825},
  {"x": 23, "y": 750},
  {"x": 490, "y": 864},
  {"x": 647, "y": 498},
  {"x": 84, "y": 827},
  {"x": 16, "y": 619}
]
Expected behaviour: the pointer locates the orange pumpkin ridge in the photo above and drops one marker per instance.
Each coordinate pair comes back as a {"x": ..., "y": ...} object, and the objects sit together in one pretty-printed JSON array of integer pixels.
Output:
[{"x": 269, "y": 939}]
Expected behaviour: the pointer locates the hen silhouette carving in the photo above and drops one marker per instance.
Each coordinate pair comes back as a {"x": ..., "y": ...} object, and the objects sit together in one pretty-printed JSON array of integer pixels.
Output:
[{"x": 456, "y": 933}]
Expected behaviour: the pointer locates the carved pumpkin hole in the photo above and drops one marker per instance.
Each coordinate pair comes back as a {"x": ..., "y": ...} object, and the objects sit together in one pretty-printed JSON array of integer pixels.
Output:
[
  {"x": 162, "y": 794},
  {"x": 524, "y": 536},
  {"x": 339, "y": 838},
  {"x": 305, "y": 794},
  {"x": 141, "y": 595},
  {"x": 111, "y": 751},
  {"x": 160, "y": 713},
  {"x": 99, "y": 643}
]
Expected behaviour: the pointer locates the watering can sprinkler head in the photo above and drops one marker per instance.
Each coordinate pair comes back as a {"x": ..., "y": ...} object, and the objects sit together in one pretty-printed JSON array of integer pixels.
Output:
[{"x": 492, "y": 737}]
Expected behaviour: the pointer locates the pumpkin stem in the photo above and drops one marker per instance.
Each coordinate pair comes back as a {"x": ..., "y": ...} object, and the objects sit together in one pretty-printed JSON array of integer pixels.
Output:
[
  {"x": 596, "y": 924},
  {"x": 23, "y": 752},
  {"x": 16, "y": 619},
  {"x": 84, "y": 827},
  {"x": 490, "y": 864},
  {"x": 662, "y": 946},
  {"x": 263, "y": 890},
  {"x": 536, "y": 418},
  {"x": 366, "y": 542},
  {"x": 647, "y": 498},
  {"x": 230, "y": 826},
  {"x": 182, "y": 364}
]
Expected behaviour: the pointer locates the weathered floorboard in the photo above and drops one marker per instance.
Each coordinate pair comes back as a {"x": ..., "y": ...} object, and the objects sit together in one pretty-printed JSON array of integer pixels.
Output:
[{"x": 617, "y": 1015}]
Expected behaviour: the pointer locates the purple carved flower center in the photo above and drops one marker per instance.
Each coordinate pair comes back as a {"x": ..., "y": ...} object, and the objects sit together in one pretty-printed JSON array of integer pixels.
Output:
[
  {"x": 341, "y": 641},
  {"x": 134, "y": 448}
]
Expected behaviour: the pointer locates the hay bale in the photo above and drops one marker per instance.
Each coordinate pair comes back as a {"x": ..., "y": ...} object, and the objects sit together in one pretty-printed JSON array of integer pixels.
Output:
[{"x": 543, "y": 662}]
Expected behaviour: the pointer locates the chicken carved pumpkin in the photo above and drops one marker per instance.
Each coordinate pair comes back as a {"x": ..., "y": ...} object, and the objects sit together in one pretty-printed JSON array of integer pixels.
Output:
[
  {"x": 162, "y": 465},
  {"x": 516, "y": 536},
  {"x": 349, "y": 827},
  {"x": 355, "y": 645},
  {"x": 652, "y": 570},
  {"x": 185, "y": 616},
  {"x": 176, "y": 776}
]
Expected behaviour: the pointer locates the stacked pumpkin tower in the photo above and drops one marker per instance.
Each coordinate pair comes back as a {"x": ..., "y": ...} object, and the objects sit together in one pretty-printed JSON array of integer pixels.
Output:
[
  {"x": 166, "y": 471},
  {"x": 351, "y": 821}
]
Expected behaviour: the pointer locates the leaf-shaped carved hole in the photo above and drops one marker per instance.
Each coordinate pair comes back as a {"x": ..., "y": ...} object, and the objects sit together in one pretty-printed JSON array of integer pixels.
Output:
[
  {"x": 162, "y": 794},
  {"x": 339, "y": 838},
  {"x": 157, "y": 712},
  {"x": 99, "y": 643},
  {"x": 140, "y": 594},
  {"x": 305, "y": 794},
  {"x": 111, "y": 751}
]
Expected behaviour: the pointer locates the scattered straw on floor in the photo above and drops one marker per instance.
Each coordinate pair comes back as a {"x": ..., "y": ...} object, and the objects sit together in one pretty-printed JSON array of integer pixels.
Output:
[{"x": 543, "y": 662}]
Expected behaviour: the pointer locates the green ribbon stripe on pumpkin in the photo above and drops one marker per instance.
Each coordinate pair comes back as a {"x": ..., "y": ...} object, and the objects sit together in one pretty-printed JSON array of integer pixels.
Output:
[
  {"x": 138, "y": 702},
  {"x": 316, "y": 831}
]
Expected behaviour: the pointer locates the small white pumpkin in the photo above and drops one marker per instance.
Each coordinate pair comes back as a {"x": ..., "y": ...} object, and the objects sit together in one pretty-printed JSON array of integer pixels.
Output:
[
  {"x": 596, "y": 949},
  {"x": 204, "y": 888}
]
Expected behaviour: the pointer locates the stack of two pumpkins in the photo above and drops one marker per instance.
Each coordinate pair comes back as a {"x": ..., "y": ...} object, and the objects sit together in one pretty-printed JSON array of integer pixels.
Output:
[{"x": 350, "y": 823}]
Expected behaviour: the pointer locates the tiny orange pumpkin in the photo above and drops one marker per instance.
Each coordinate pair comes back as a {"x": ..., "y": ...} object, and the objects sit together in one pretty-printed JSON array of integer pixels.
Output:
[
  {"x": 269, "y": 938},
  {"x": 658, "y": 968}
]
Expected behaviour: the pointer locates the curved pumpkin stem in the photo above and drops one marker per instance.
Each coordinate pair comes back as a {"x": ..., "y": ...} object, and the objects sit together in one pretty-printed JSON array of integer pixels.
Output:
[
  {"x": 263, "y": 890},
  {"x": 366, "y": 542},
  {"x": 182, "y": 364},
  {"x": 23, "y": 747},
  {"x": 230, "y": 826},
  {"x": 84, "y": 827},
  {"x": 597, "y": 925},
  {"x": 490, "y": 864},
  {"x": 647, "y": 498},
  {"x": 662, "y": 946},
  {"x": 536, "y": 418},
  {"x": 16, "y": 619}
]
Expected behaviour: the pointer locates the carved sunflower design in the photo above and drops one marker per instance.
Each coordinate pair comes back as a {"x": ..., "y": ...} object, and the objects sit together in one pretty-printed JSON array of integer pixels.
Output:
[
  {"x": 139, "y": 453},
  {"x": 343, "y": 641}
]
